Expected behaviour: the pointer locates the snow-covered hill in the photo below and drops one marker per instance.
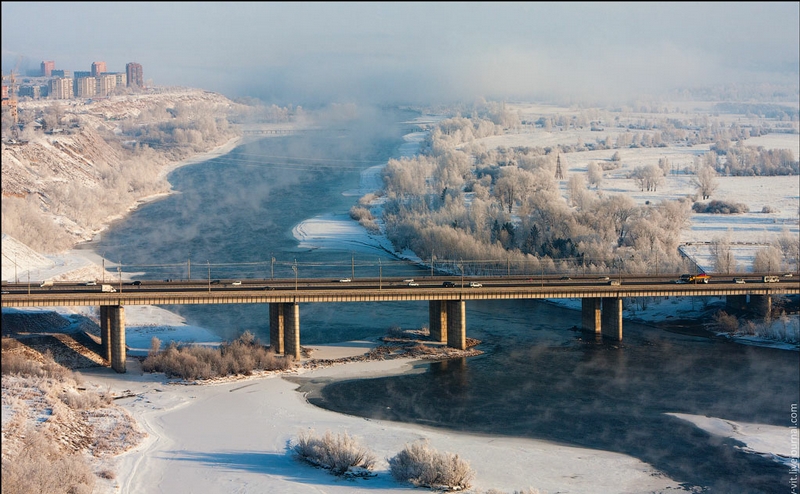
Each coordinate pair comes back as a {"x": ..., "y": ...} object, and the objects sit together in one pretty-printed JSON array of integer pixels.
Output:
[{"x": 94, "y": 160}]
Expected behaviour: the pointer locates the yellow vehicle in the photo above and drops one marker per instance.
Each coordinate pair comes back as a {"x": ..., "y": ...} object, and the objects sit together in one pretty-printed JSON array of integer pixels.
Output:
[{"x": 694, "y": 278}]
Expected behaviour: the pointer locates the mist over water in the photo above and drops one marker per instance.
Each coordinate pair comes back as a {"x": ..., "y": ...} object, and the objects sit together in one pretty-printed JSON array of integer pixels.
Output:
[{"x": 538, "y": 378}]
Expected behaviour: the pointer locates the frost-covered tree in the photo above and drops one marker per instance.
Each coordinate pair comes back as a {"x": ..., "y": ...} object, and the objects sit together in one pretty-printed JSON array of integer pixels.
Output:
[
  {"x": 705, "y": 181},
  {"x": 722, "y": 255},
  {"x": 767, "y": 260},
  {"x": 594, "y": 174}
]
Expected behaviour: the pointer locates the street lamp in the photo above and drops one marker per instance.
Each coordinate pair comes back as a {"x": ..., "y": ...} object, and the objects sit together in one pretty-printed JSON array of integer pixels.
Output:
[
  {"x": 272, "y": 270},
  {"x": 461, "y": 266},
  {"x": 294, "y": 268},
  {"x": 380, "y": 275},
  {"x": 209, "y": 275}
]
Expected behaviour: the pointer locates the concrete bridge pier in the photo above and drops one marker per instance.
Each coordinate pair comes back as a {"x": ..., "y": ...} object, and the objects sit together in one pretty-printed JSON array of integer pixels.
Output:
[
  {"x": 591, "y": 315},
  {"x": 448, "y": 322},
  {"x": 612, "y": 318},
  {"x": 456, "y": 324},
  {"x": 112, "y": 336},
  {"x": 437, "y": 320},
  {"x": 284, "y": 328}
]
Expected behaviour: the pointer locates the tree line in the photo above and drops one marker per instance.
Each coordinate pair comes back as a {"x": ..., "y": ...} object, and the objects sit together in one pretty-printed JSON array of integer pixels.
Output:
[{"x": 458, "y": 199}]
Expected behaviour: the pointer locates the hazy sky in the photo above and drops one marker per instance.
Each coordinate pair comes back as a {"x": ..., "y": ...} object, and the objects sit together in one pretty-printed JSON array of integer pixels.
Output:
[{"x": 308, "y": 53}]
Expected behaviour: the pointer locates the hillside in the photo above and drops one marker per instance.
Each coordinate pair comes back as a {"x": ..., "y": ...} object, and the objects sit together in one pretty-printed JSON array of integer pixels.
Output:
[{"x": 77, "y": 165}]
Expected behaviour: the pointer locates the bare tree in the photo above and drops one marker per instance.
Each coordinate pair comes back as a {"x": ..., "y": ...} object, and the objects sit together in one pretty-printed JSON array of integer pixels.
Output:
[{"x": 705, "y": 181}]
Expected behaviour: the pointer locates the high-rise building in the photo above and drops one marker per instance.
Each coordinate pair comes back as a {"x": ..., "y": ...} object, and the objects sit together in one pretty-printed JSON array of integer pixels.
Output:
[
  {"x": 134, "y": 72},
  {"x": 47, "y": 68},
  {"x": 61, "y": 88},
  {"x": 98, "y": 68},
  {"x": 85, "y": 87}
]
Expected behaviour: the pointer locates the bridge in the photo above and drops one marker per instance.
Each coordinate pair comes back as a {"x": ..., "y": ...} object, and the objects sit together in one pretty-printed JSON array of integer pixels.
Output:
[{"x": 601, "y": 298}]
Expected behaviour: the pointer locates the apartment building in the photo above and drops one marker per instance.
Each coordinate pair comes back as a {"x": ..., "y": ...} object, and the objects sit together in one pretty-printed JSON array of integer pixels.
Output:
[
  {"x": 133, "y": 72},
  {"x": 98, "y": 68},
  {"x": 85, "y": 87},
  {"x": 47, "y": 68},
  {"x": 60, "y": 88}
]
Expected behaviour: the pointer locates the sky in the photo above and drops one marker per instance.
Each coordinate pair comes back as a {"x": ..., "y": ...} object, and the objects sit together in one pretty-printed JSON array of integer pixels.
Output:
[{"x": 311, "y": 53}]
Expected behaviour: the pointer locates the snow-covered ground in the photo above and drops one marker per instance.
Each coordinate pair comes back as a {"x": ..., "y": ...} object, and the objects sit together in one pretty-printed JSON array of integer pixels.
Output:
[{"x": 233, "y": 436}]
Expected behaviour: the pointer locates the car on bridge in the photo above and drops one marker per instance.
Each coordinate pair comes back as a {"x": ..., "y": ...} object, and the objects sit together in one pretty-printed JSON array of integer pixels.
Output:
[
  {"x": 413, "y": 283},
  {"x": 449, "y": 284},
  {"x": 475, "y": 284},
  {"x": 236, "y": 283},
  {"x": 345, "y": 280},
  {"x": 90, "y": 283}
]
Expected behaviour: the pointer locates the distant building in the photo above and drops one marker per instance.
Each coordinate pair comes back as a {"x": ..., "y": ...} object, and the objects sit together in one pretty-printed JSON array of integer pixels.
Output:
[
  {"x": 121, "y": 78},
  {"x": 81, "y": 73},
  {"x": 60, "y": 88},
  {"x": 61, "y": 73},
  {"x": 47, "y": 68},
  {"x": 105, "y": 84},
  {"x": 98, "y": 68},
  {"x": 85, "y": 87},
  {"x": 33, "y": 91},
  {"x": 134, "y": 74}
]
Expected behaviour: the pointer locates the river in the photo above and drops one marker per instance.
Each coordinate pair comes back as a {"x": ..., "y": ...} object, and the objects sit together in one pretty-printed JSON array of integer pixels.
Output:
[{"x": 537, "y": 377}]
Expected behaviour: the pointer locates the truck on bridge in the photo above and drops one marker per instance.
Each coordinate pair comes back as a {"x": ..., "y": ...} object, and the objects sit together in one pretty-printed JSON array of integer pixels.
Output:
[
  {"x": 694, "y": 278},
  {"x": 108, "y": 289}
]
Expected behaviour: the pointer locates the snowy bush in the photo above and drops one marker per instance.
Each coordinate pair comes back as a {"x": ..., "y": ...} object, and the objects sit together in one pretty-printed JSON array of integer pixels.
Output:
[
  {"x": 423, "y": 466},
  {"x": 240, "y": 357},
  {"x": 341, "y": 453}
]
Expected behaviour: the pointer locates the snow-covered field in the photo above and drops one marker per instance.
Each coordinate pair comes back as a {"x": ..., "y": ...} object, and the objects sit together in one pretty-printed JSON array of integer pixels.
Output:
[{"x": 233, "y": 436}]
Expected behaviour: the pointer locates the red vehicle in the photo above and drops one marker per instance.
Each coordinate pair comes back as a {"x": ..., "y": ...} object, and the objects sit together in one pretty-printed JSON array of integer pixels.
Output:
[{"x": 694, "y": 278}]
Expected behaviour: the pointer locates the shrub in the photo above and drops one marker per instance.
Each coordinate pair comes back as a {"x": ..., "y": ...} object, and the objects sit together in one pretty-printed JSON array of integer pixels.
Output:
[
  {"x": 86, "y": 400},
  {"x": 341, "y": 453},
  {"x": 423, "y": 466},
  {"x": 240, "y": 357},
  {"x": 22, "y": 366},
  {"x": 726, "y": 322},
  {"x": 720, "y": 207},
  {"x": 41, "y": 466}
]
